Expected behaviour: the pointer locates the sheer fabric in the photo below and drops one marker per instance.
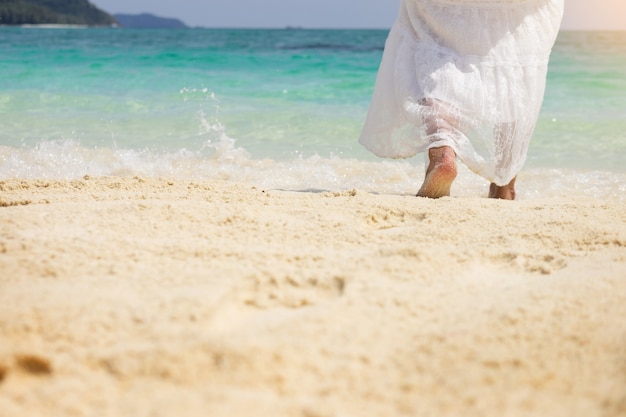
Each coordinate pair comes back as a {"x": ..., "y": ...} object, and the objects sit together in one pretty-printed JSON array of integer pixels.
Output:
[{"x": 469, "y": 74}]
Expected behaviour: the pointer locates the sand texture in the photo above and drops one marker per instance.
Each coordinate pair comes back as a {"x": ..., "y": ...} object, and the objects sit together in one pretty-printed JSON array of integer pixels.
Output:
[{"x": 155, "y": 297}]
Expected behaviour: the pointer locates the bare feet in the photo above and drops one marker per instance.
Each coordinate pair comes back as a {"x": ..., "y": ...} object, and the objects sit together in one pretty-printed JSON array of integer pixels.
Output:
[
  {"x": 440, "y": 173},
  {"x": 505, "y": 192}
]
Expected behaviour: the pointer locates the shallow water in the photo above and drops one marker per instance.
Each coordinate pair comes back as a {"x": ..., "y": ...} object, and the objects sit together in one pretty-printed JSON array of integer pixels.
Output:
[{"x": 278, "y": 108}]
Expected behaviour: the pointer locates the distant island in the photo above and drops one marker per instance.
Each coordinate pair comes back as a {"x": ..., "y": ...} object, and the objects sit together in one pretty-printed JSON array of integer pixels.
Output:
[
  {"x": 53, "y": 12},
  {"x": 76, "y": 13},
  {"x": 148, "y": 21}
]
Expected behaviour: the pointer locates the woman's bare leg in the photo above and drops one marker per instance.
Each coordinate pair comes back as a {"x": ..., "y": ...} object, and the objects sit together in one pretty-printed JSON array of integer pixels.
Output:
[
  {"x": 440, "y": 173},
  {"x": 505, "y": 192}
]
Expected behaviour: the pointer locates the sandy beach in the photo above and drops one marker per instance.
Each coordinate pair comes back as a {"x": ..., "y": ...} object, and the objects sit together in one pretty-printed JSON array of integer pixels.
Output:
[{"x": 156, "y": 297}]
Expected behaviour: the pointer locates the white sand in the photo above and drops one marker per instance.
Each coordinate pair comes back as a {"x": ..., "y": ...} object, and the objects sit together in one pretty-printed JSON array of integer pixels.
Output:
[{"x": 135, "y": 297}]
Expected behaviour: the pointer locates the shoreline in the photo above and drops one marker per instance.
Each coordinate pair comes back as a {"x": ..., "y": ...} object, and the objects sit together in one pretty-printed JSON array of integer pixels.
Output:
[{"x": 167, "y": 296}]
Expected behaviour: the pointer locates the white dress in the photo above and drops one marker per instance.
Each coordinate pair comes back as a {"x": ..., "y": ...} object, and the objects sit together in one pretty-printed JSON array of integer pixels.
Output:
[{"x": 469, "y": 74}]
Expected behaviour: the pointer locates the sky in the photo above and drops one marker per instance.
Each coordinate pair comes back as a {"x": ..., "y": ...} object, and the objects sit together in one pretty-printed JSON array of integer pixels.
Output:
[{"x": 579, "y": 14}]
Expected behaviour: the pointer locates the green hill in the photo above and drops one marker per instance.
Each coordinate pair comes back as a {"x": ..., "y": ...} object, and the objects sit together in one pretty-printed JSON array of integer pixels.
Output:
[{"x": 63, "y": 12}]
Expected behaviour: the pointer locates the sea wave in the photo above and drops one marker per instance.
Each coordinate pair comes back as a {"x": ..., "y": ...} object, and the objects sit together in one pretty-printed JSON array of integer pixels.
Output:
[{"x": 223, "y": 159}]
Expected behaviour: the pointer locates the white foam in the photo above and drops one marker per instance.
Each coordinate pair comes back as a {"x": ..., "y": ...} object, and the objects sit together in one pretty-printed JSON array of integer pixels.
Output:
[{"x": 221, "y": 158}]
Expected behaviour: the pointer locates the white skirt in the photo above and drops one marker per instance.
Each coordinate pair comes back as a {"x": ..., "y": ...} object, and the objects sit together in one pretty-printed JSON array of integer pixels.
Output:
[{"x": 469, "y": 74}]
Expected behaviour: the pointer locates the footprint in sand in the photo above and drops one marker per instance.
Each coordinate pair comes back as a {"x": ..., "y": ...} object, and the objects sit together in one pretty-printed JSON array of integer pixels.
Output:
[
  {"x": 4, "y": 370},
  {"x": 33, "y": 364}
]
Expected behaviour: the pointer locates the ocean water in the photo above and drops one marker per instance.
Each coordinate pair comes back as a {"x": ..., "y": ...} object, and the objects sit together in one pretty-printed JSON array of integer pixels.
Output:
[{"x": 280, "y": 109}]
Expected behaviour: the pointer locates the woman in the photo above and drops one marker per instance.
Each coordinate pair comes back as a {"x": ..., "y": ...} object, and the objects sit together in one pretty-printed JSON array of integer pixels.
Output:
[{"x": 466, "y": 79}]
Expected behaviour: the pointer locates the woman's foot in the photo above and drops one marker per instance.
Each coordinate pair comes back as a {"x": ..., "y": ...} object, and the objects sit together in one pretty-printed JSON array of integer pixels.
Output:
[
  {"x": 440, "y": 173},
  {"x": 505, "y": 192}
]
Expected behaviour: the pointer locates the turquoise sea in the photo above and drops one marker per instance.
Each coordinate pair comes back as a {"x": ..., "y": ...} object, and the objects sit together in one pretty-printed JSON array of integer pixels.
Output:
[{"x": 276, "y": 108}]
